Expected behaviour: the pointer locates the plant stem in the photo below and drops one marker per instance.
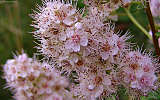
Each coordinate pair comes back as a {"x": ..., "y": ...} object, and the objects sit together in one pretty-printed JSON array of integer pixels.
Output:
[
  {"x": 151, "y": 21},
  {"x": 137, "y": 23}
]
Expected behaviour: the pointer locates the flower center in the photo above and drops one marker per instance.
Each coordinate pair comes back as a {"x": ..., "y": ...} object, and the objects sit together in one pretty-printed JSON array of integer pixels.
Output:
[
  {"x": 60, "y": 14},
  {"x": 106, "y": 47},
  {"x": 76, "y": 38},
  {"x": 146, "y": 69},
  {"x": 134, "y": 66},
  {"x": 98, "y": 79},
  {"x": 45, "y": 85},
  {"x": 80, "y": 63}
]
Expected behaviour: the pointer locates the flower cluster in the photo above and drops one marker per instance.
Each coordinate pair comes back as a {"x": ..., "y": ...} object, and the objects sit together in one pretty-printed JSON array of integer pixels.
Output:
[
  {"x": 87, "y": 45},
  {"x": 95, "y": 83},
  {"x": 104, "y": 8},
  {"x": 32, "y": 80},
  {"x": 59, "y": 29},
  {"x": 138, "y": 71},
  {"x": 84, "y": 44}
]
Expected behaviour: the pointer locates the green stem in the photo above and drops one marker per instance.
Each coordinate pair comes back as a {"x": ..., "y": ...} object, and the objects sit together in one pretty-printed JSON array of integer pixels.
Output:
[{"x": 137, "y": 24}]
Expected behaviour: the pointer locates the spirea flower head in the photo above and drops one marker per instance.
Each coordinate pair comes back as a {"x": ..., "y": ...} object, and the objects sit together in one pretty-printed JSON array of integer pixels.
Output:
[
  {"x": 59, "y": 30},
  {"x": 68, "y": 44},
  {"x": 139, "y": 71},
  {"x": 104, "y": 8},
  {"x": 104, "y": 42},
  {"x": 90, "y": 47},
  {"x": 32, "y": 80},
  {"x": 101, "y": 8},
  {"x": 94, "y": 82}
]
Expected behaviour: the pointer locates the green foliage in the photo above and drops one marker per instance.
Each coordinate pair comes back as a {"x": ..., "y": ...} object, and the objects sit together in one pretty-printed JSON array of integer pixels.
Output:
[
  {"x": 155, "y": 95},
  {"x": 80, "y": 4},
  {"x": 158, "y": 34}
]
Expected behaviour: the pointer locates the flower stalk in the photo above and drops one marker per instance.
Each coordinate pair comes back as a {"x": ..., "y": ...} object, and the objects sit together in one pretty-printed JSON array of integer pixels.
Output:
[
  {"x": 151, "y": 21},
  {"x": 137, "y": 23}
]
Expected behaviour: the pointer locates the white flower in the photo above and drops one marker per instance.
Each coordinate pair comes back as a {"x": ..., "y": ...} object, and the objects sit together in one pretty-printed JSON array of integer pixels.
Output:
[
  {"x": 65, "y": 14},
  {"x": 89, "y": 90},
  {"x": 76, "y": 39},
  {"x": 78, "y": 25},
  {"x": 110, "y": 48},
  {"x": 146, "y": 82}
]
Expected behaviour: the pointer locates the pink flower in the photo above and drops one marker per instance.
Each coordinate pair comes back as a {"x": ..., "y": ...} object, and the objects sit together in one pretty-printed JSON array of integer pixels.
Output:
[
  {"x": 139, "y": 71},
  {"x": 129, "y": 75},
  {"x": 89, "y": 91},
  {"x": 32, "y": 79},
  {"x": 76, "y": 39},
  {"x": 146, "y": 82},
  {"x": 110, "y": 47}
]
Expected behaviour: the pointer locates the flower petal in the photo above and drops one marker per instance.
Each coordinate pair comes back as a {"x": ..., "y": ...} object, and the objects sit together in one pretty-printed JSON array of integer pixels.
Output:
[
  {"x": 76, "y": 47},
  {"x": 84, "y": 41}
]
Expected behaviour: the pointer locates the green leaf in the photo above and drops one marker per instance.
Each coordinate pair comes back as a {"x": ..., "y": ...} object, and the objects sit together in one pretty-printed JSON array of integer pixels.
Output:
[
  {"x": 80, "y": 4},
  {"x": 157, "y": 34},
  {"x": 85, "y": 13}
]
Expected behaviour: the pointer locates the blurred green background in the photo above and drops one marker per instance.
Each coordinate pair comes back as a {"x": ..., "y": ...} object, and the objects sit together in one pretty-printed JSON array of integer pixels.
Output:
[{"x": 15, "y": 33}]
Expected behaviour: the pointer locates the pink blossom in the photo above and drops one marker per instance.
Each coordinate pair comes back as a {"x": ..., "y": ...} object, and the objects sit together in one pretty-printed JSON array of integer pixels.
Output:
[{"x": 76, "y": 39}]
